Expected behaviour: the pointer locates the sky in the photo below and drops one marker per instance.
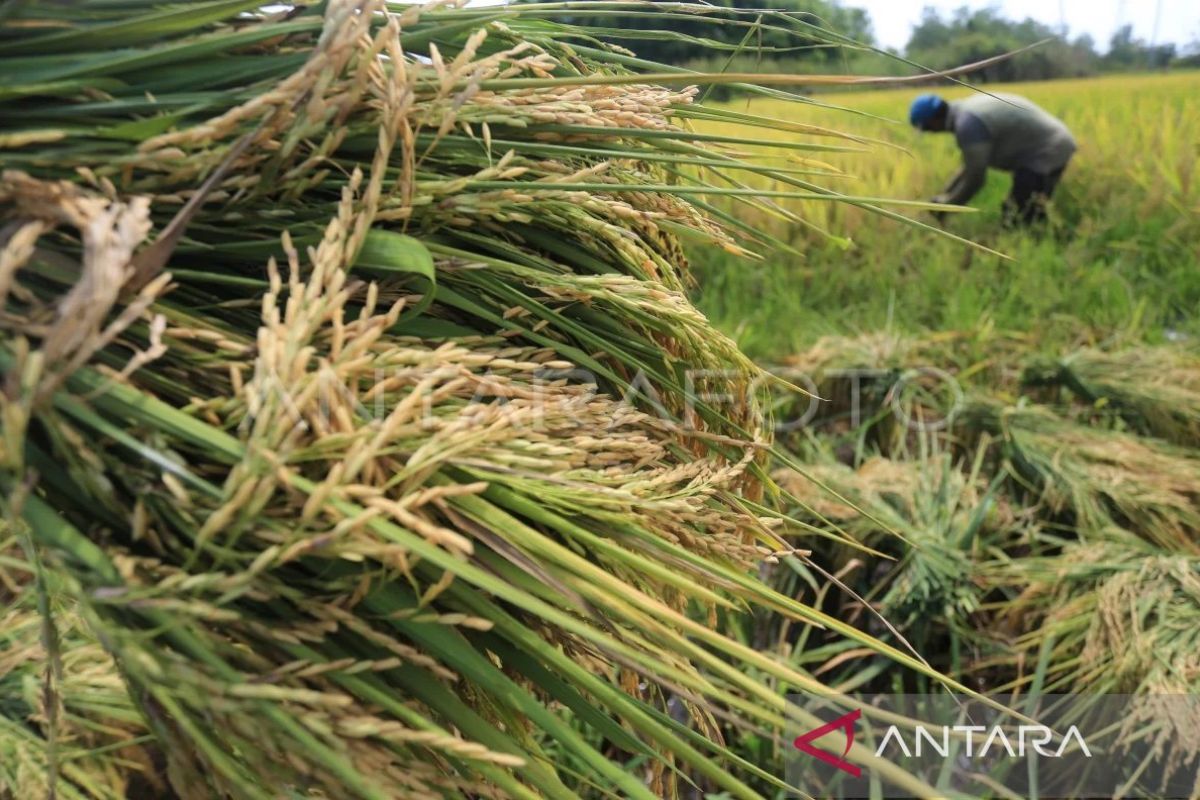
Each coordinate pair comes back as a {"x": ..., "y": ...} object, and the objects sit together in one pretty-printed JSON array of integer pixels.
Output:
[{"x": 1179, "y": 22}]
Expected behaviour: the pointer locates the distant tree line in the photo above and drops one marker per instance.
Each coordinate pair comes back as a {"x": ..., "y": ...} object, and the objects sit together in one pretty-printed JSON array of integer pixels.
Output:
[
  {"x": 770, "y": 43},
  {"x": 967, "y": 36}
]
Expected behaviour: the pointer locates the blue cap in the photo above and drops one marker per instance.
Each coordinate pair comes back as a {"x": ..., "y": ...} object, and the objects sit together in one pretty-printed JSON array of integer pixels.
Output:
[{"x": 924, "y": 108}]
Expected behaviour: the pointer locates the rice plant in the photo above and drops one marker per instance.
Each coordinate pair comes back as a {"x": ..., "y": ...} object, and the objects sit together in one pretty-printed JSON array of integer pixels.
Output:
[
  {"x": 348, "y": 379},
  {"x": 886, "y": 391},
  {"x": 1119, "y": 610}
]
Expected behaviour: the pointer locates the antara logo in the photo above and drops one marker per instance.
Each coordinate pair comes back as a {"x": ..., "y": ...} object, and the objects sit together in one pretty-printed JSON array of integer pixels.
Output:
[
  {"x": 1028, "y": 737},
  {"x": 845, "y": 722},
  {"x": 1036, "y": 737}
]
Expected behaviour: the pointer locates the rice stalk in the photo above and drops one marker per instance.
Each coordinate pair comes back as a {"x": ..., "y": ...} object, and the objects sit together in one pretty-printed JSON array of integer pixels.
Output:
[{"x": 887, "y": 391}]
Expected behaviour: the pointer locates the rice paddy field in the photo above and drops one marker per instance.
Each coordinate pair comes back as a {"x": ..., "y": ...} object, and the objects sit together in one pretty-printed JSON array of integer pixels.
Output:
[
  {"x": 402, "y": 402},
  {"x": 1120, "y": 261}
]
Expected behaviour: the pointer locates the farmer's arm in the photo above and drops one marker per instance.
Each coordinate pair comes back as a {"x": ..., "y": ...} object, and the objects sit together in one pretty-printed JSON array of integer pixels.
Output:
[
  {"x": 971, "y": 177},
  {"x": 975, "y": 142},
  {"x": 950, "y": 189}
]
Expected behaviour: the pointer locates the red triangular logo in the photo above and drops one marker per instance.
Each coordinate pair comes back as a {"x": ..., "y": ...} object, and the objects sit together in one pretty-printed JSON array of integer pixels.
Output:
[{"x": 844, "y": 722}]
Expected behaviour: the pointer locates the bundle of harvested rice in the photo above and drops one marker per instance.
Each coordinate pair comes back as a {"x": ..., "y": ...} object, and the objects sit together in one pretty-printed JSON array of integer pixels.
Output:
[
  {"x": 1102, "y": 478},
  {"x": 926, "y": 512},
  {"x": 884, "y": 387},
  {"x": 349, "y": 375},
  {"x": 1156, "y": 390},
  {"x": 1116, "y": 615},
  {"x": 1119, "y": 612}
]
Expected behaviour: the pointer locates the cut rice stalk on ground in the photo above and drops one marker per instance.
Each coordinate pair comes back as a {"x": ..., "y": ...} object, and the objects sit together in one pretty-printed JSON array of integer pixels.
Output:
[
  {"x": 1155, "y": 390},
  {"x": 1097, "y": 477}
]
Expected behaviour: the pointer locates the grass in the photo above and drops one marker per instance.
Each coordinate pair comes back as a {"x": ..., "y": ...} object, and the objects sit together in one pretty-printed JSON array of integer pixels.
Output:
[{"x": 1118, "y": 264}]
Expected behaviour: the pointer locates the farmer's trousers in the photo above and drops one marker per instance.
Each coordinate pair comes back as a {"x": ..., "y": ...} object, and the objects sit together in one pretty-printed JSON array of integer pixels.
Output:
[{"x": 1026, "y": 204}]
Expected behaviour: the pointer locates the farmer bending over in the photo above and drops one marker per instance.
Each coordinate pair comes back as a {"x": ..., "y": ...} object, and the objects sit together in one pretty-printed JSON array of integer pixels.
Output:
[{"x": 1003, "y": 132}]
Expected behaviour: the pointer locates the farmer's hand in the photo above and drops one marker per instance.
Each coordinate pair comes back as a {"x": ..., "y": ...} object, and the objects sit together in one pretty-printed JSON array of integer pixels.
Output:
[{"x": 940, "y": 216}]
